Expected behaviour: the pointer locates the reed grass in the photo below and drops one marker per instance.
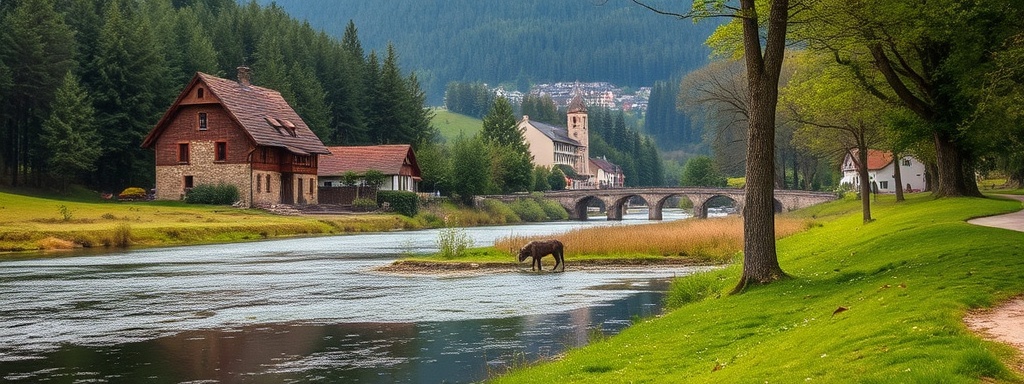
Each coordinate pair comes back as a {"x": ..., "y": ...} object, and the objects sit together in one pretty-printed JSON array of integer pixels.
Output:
[{"x": 717, "y": 239}]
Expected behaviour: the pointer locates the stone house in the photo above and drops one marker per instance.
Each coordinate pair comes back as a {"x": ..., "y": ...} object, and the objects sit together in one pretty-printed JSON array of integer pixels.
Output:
[
  {"x": 881, "y": 170},
  {"x": 607, "y": 174},
  {"x": 233, "y": 132}
]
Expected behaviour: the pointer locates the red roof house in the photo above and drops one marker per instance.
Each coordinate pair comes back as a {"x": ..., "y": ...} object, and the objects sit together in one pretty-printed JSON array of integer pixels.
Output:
[
  {"x": 397, "y": 162},
  {"x": 233, "y": 132}
]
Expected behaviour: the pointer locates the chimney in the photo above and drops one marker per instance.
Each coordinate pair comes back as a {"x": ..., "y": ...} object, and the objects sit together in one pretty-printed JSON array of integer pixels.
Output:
[{"x": 243, "y": 75}]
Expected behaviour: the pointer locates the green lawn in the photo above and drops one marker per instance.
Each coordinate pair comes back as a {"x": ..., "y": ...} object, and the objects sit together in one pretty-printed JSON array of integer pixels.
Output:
[
  {"x": 451, "y": 124},
  {"x": 905, "y": 280},
  {"x": 32, "y": 223}
]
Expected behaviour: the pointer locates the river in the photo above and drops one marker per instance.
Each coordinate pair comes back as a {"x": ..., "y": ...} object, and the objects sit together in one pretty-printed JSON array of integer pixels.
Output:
[{"x": 303, "y": 310}]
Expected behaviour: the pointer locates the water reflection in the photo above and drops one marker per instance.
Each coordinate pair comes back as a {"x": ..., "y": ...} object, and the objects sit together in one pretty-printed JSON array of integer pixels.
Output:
[
  {"x": 300, "y": 310},
  {"x": 424, "y": 352}
]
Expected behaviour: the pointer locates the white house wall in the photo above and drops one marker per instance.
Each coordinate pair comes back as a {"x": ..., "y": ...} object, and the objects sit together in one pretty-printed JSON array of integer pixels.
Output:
[{"x": 912, "y": 175}]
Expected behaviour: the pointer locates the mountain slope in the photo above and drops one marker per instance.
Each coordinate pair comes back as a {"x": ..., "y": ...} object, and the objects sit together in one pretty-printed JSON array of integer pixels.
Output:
[{"x": 518, "y": 42}]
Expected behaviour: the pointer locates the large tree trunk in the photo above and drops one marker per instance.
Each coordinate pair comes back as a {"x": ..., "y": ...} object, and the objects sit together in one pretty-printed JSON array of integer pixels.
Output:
[
  {"x": 955, "y": 173},
  {"x": 760, "y": 261},
  {"x": 865, "y": 182},
  {"x": 897, "y": 162}
]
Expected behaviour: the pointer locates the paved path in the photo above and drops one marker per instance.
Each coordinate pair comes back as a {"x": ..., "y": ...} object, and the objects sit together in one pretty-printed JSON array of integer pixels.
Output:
[
  {"x": 1012, "y": 221},
  {"x": 1004, "y": 322}
]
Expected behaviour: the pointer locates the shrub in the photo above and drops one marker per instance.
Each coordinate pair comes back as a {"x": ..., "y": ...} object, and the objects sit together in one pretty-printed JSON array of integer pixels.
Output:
[
  {"x": 500, "y": 211},
  {"x": 132, "y": 193},
  {"x": 528, "y": 210},
  {"x": 403, "y": 202},
  {"x": 220, "y": 194},
  {"x": 553, "y": 210},
  {"x": 453, "y": 242},
  {"x": 364, "y": 205},
  {"x": 122, "y": 235}
]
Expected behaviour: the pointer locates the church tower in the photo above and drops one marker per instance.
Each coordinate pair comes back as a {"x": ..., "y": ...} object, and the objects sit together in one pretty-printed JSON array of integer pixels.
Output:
[{"x": 579, "y": 130}]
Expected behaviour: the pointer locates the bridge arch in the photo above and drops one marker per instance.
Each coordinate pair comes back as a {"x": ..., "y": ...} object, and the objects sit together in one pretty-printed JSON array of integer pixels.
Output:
[{"x": 578, "y": 209}]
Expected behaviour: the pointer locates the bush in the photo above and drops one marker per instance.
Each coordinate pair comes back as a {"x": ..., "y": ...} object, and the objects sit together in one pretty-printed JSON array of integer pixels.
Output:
[
  {"x": 553, "y": 210},
  {"x": 500, "y": 211},
  {"x": 132, "y": 193},
  {"x": 403, "y": 202},
  {"x": 364, "y": 205},
  {"x": 528, "y": 210},
  {"x": 220, "y": 194}
]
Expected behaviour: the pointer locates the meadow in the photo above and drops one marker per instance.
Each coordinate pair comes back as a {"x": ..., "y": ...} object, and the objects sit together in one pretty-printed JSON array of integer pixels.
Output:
[
  {"x": 450, "y": 124},
  {"x": 30, "y": 223},
  {"x": 881, "y": 302}
]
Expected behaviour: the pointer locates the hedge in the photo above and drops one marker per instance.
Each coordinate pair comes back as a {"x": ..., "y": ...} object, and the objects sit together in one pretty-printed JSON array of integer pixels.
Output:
[{"x": 403, "y": 202}]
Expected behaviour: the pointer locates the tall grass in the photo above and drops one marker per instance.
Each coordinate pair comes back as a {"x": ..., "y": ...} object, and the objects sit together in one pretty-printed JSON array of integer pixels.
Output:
[{"x": 711, "y": 239}]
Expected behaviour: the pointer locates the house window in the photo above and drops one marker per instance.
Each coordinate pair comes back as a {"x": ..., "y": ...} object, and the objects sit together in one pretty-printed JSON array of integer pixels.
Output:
[
  {"x": 259, "y": 183},
  {"x": 189, "y": 183},
  {"x": 312, "y": 185},
  {"x": 183, "y": 153},
  {"x": 906, "y": 162},
  {"x": 300, "y": 185},
  {"x": 221, "y": 153},
  {"x": 328, "y": 184},
  {"x": 202, "y": 121},
  {"x": 268, "y": 183},
  {"x": 200, "y": 93},
  {"x": 883, "y": 185}
]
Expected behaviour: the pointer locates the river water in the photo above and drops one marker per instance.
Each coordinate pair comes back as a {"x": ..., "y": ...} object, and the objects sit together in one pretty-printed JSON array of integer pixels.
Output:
[{"x": 303, "y": 310}]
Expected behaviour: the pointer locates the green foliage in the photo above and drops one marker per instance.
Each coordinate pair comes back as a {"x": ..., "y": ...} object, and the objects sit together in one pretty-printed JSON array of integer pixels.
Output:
[
  {"x": 471, "y": 99},
  {"x": 700, "y": 172},
  {"x": 66, "y": 213},
  {"x": 364, "y": 205},
  {"x": 403, "y": 202},
  {"x": 553, "y": 210},
  {"x": 528, "y": 210},
  {"x": 556, "y": 179},
  {"x": 470, "y": 169},
  {"x": 220, "y": 194},
  {"x": 501, "y": 212},
  {"x": 122, "y": 236},
  {"x": 69, "y": 134},
  {"x": 452, "y": 242},
  {"x": 374, "y": 178},
  {"x": 540, "y": 178}
]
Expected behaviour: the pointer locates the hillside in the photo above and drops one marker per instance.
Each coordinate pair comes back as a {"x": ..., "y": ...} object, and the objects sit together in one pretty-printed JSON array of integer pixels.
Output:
[
  {"x": 450, "y": 124},
  {"x": 518, "y": 42}
]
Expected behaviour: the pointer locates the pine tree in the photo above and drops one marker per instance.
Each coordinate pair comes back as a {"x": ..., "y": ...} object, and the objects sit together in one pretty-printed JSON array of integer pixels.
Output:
[
  {"x": 37, "y": 48},
  {"x": 311, "y": 102},
  {"x": 500, "y": 126},
  {"x": 129, "y": 84},
  {"x": 69, "y": 140}
]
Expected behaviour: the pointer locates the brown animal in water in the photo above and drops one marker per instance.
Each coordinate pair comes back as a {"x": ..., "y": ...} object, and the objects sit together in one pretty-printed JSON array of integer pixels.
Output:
[{"x": 540, "y": 248}]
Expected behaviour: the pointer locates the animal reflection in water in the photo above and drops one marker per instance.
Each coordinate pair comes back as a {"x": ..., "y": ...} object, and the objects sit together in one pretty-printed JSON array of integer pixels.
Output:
[{"x": 540, "y": 248}]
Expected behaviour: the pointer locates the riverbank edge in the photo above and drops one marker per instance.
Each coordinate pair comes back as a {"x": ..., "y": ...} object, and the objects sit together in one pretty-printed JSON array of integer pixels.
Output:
[{"x": 447, "y": 268}]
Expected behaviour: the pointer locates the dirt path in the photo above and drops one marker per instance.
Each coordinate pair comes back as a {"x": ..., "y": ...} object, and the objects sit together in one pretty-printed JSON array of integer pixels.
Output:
[{"x": 1005, "y": 322}]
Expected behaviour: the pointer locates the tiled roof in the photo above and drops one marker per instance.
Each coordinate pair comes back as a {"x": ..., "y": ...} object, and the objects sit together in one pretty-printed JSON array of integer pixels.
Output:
[
  {"x": 387, "y": 159},
  {"x": 877, "y": 159},
  {"x": 263, "y": 113},
  {"x": 559, "y": 134},
  {"x": 605, "y": 165},
  {"x": 577, "y": 104}
]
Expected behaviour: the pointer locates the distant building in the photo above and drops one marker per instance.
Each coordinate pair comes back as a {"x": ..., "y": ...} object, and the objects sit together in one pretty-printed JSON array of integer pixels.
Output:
[
  {"x": 881, "y": 170},
  {"x": 569, "y": 146},
  {"x": 397, "y": 162},
  {"x": 232, "y": 132},
  {"x": 607, "y": 174}
]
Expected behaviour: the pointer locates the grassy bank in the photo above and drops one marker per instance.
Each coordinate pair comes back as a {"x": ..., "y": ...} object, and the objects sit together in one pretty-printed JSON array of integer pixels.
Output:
[
  {"x": 33, "y": 223},
  {"x": 875, "y": 303},
  {"x": 712, "y": 241}
]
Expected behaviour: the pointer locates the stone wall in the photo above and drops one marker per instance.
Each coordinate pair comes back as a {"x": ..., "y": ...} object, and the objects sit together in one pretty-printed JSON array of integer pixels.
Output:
[{"x": 170, "y": 179}]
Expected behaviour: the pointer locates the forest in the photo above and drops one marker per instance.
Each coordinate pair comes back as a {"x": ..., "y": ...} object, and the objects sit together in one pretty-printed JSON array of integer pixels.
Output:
[
  {"x": 82, "y": 81},
  {"x": 519, "y": 42}
]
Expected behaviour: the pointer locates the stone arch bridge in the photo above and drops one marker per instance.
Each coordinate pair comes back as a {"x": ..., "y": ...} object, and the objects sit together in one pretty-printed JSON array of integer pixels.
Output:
[{"x": 576, "y": 201}]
